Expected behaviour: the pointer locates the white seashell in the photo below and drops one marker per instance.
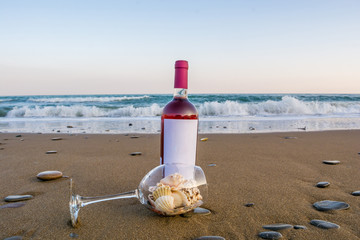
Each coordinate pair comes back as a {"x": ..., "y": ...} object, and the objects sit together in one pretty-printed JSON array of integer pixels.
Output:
[
  {"x": 180, "y": 199},
  {"x": 165, "y": 204},
  {"x": 161, "y": 191},
  {"x": 173, "y": 180}
]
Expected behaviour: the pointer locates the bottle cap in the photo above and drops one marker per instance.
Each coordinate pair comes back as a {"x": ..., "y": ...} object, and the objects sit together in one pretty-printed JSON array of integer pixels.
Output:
[
  {"x": 181, "y": 74},
  {"x": 181, "y": 64}
]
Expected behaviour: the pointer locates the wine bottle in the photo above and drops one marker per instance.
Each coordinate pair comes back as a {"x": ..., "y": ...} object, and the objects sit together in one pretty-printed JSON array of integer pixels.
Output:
[{"x": 179, "y": 128}]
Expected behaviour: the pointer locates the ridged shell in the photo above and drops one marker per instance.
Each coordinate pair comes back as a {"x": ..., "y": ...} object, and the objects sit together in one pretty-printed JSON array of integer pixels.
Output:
[
  {"x": 165, "y": 204},
  {"x": 161, "y": 191},
  {"x": 180, "y": 199}
]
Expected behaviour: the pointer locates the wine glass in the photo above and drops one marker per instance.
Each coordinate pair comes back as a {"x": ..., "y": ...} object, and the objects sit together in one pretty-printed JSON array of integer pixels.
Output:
[{"x": 167, "y": 196}]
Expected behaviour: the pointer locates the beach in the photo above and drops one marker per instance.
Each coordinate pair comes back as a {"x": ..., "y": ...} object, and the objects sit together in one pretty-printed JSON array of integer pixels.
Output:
[{"x": 277, "y": 172}]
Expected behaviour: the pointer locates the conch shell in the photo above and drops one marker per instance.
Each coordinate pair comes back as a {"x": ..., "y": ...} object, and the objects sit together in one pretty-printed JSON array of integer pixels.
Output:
[
  {"x": 165, "y": 204},
  {"x": 174, "y": 180}
]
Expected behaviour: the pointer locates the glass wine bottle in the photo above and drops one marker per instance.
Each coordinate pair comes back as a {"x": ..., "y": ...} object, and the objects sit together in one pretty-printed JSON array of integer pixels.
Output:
[{"x": 179, "y": 128}]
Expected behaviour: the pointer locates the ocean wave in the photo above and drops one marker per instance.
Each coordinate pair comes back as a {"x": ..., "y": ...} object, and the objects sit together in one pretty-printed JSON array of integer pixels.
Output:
[
  {"x": 83, "y": 111},
  {"x": 287, "y": 106},
  {"x": 86, "y": 99}
]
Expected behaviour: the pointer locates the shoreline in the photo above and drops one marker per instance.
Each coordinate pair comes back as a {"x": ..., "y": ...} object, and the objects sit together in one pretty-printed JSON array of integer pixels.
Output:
[{"x": 276, "y": 173}]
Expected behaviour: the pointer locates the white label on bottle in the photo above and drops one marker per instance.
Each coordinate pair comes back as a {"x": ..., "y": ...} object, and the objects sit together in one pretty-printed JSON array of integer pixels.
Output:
[{"x": 180, "y": 138}]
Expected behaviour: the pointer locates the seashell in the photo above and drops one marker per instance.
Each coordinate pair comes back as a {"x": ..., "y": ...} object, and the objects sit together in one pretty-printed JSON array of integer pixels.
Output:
[
  {"x": 180, "y": 199},
  {"x": 192, "y": 194},
  {"x": 173, "y": 180},
  {"x": 161, "y": 191},
  {"x": 165, "y": 204}
]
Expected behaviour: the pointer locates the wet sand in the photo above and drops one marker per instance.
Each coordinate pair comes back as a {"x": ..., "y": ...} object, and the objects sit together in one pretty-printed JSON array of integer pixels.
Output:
[{"x": 278, "y": 175}]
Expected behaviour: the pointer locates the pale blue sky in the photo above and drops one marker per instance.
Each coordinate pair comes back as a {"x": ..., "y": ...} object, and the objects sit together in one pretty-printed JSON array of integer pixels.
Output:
[{"x": 109, "y": 47}]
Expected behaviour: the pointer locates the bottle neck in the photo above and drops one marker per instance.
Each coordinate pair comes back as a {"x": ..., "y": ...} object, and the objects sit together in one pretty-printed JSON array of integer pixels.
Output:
[{"x": 180, "y": 93}]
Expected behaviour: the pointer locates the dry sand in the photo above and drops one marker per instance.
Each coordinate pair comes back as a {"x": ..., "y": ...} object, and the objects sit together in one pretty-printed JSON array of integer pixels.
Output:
[{"x": 277, "y": 174}]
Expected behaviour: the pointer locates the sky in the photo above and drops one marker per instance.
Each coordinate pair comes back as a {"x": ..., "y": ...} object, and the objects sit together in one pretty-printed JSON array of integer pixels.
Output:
[{"x": 124, "y": 47}]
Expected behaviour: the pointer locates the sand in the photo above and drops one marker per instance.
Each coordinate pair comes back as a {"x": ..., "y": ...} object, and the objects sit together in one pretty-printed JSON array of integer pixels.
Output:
[{"x": 278, "y": 175}]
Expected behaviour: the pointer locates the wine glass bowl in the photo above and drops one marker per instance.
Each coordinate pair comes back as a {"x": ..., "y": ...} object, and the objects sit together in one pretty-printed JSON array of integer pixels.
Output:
[{"x": 167, "y": 196}]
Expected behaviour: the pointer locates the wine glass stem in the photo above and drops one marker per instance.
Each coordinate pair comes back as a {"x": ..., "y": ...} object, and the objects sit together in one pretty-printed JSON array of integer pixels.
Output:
[{"x": 89, "y": 200}]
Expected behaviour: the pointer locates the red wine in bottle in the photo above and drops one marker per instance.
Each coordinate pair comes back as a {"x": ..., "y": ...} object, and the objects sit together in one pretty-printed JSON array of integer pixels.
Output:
[{"x": 179, "y": 128}]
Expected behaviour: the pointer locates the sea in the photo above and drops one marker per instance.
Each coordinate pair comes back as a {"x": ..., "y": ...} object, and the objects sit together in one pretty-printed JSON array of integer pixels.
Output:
[{"x": 141, "y": 113}]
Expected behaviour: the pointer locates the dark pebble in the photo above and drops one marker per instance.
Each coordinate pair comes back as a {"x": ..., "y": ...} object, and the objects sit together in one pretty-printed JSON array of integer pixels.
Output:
[
  {"x": 277, "y": 226},
  {"x": 251, "y": 128},
  {"x": 210, "y": 238},
  {"x": 14, "y": 238},
  {"x": 51, "y": 152},
  {"x": 270, "y": 235},
  {"x": 143, "y": 128},
  {"x": 13, "y": 205},
  {"x": 56, "y": 139},
  {"x": 17, "y": 198},
  {"x": 130, "y": 124},
  {"x": 328, "y": 205},
  {"x": 322, "y": 184},
  {"x": 74, "y": 235},
  {"x": 323, "y": 224},
  {"x": 134, "y": 137},
  {"x": 2, "y": 148},
  {"x": 331, "y": 162},
  {"x": 212, "y": 165},
  {"x": 299, "y": 227},
  {"x": 249, "y": 204},
  {"x": 18, "y": 136},
  {"x": 356, "y": 193},
  {"x": 69, "y": 126},
  {"x": 135, "y": 153}
]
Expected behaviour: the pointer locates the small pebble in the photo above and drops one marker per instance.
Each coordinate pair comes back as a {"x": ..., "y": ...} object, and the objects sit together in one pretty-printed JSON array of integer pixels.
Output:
[
  {"x": 277, "y": 226},
  {"x": 212, "y": 165},
  {"x": 58, "y": 131},
  {"x": 270, "y": 235},
  {"x": 16, "y": 198},
  {"x": 331, "y": 162},
  {"x": 328, "y": 205},
  {"x": 74, "y": 235},
  {"x": 204, "y": 139},
  {"x": 249, "y": 204},
  {"x": 251, "y": 128},
  {"x": 22, "y": 139},
  {"x": 51, "y": 152},
  {"x": 196, "y": 211},
  {"x": 210, "y": 238},
  {"x": 13, "y": 205},
  {"x": 14, "y": 238},
  {"x": 130, "y": 124},
  {"x": 201, "y": 211},
  {"x": 323, "y": 224},
  {"x": 69, "y": 126},
  {"x": 49, "y": 175},
  {"x": 299, "y": 227},
  {"x": 143, "y": 128},
  {"x": 290, "y": 137},
  {"x": 134, "y": 137},
  {"x": 2, "y": 148},
  {"x": 322, "y": 184},
  {"x": 56, "y": 139},
  {"x": 18, "y": 136},
  {"x": 135, "y": 153},
  {"x": 356, "y": 193}
]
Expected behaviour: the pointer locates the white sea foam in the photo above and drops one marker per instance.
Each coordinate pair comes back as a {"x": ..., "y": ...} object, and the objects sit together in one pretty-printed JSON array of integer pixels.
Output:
[{"x": 86, "y": 99}]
